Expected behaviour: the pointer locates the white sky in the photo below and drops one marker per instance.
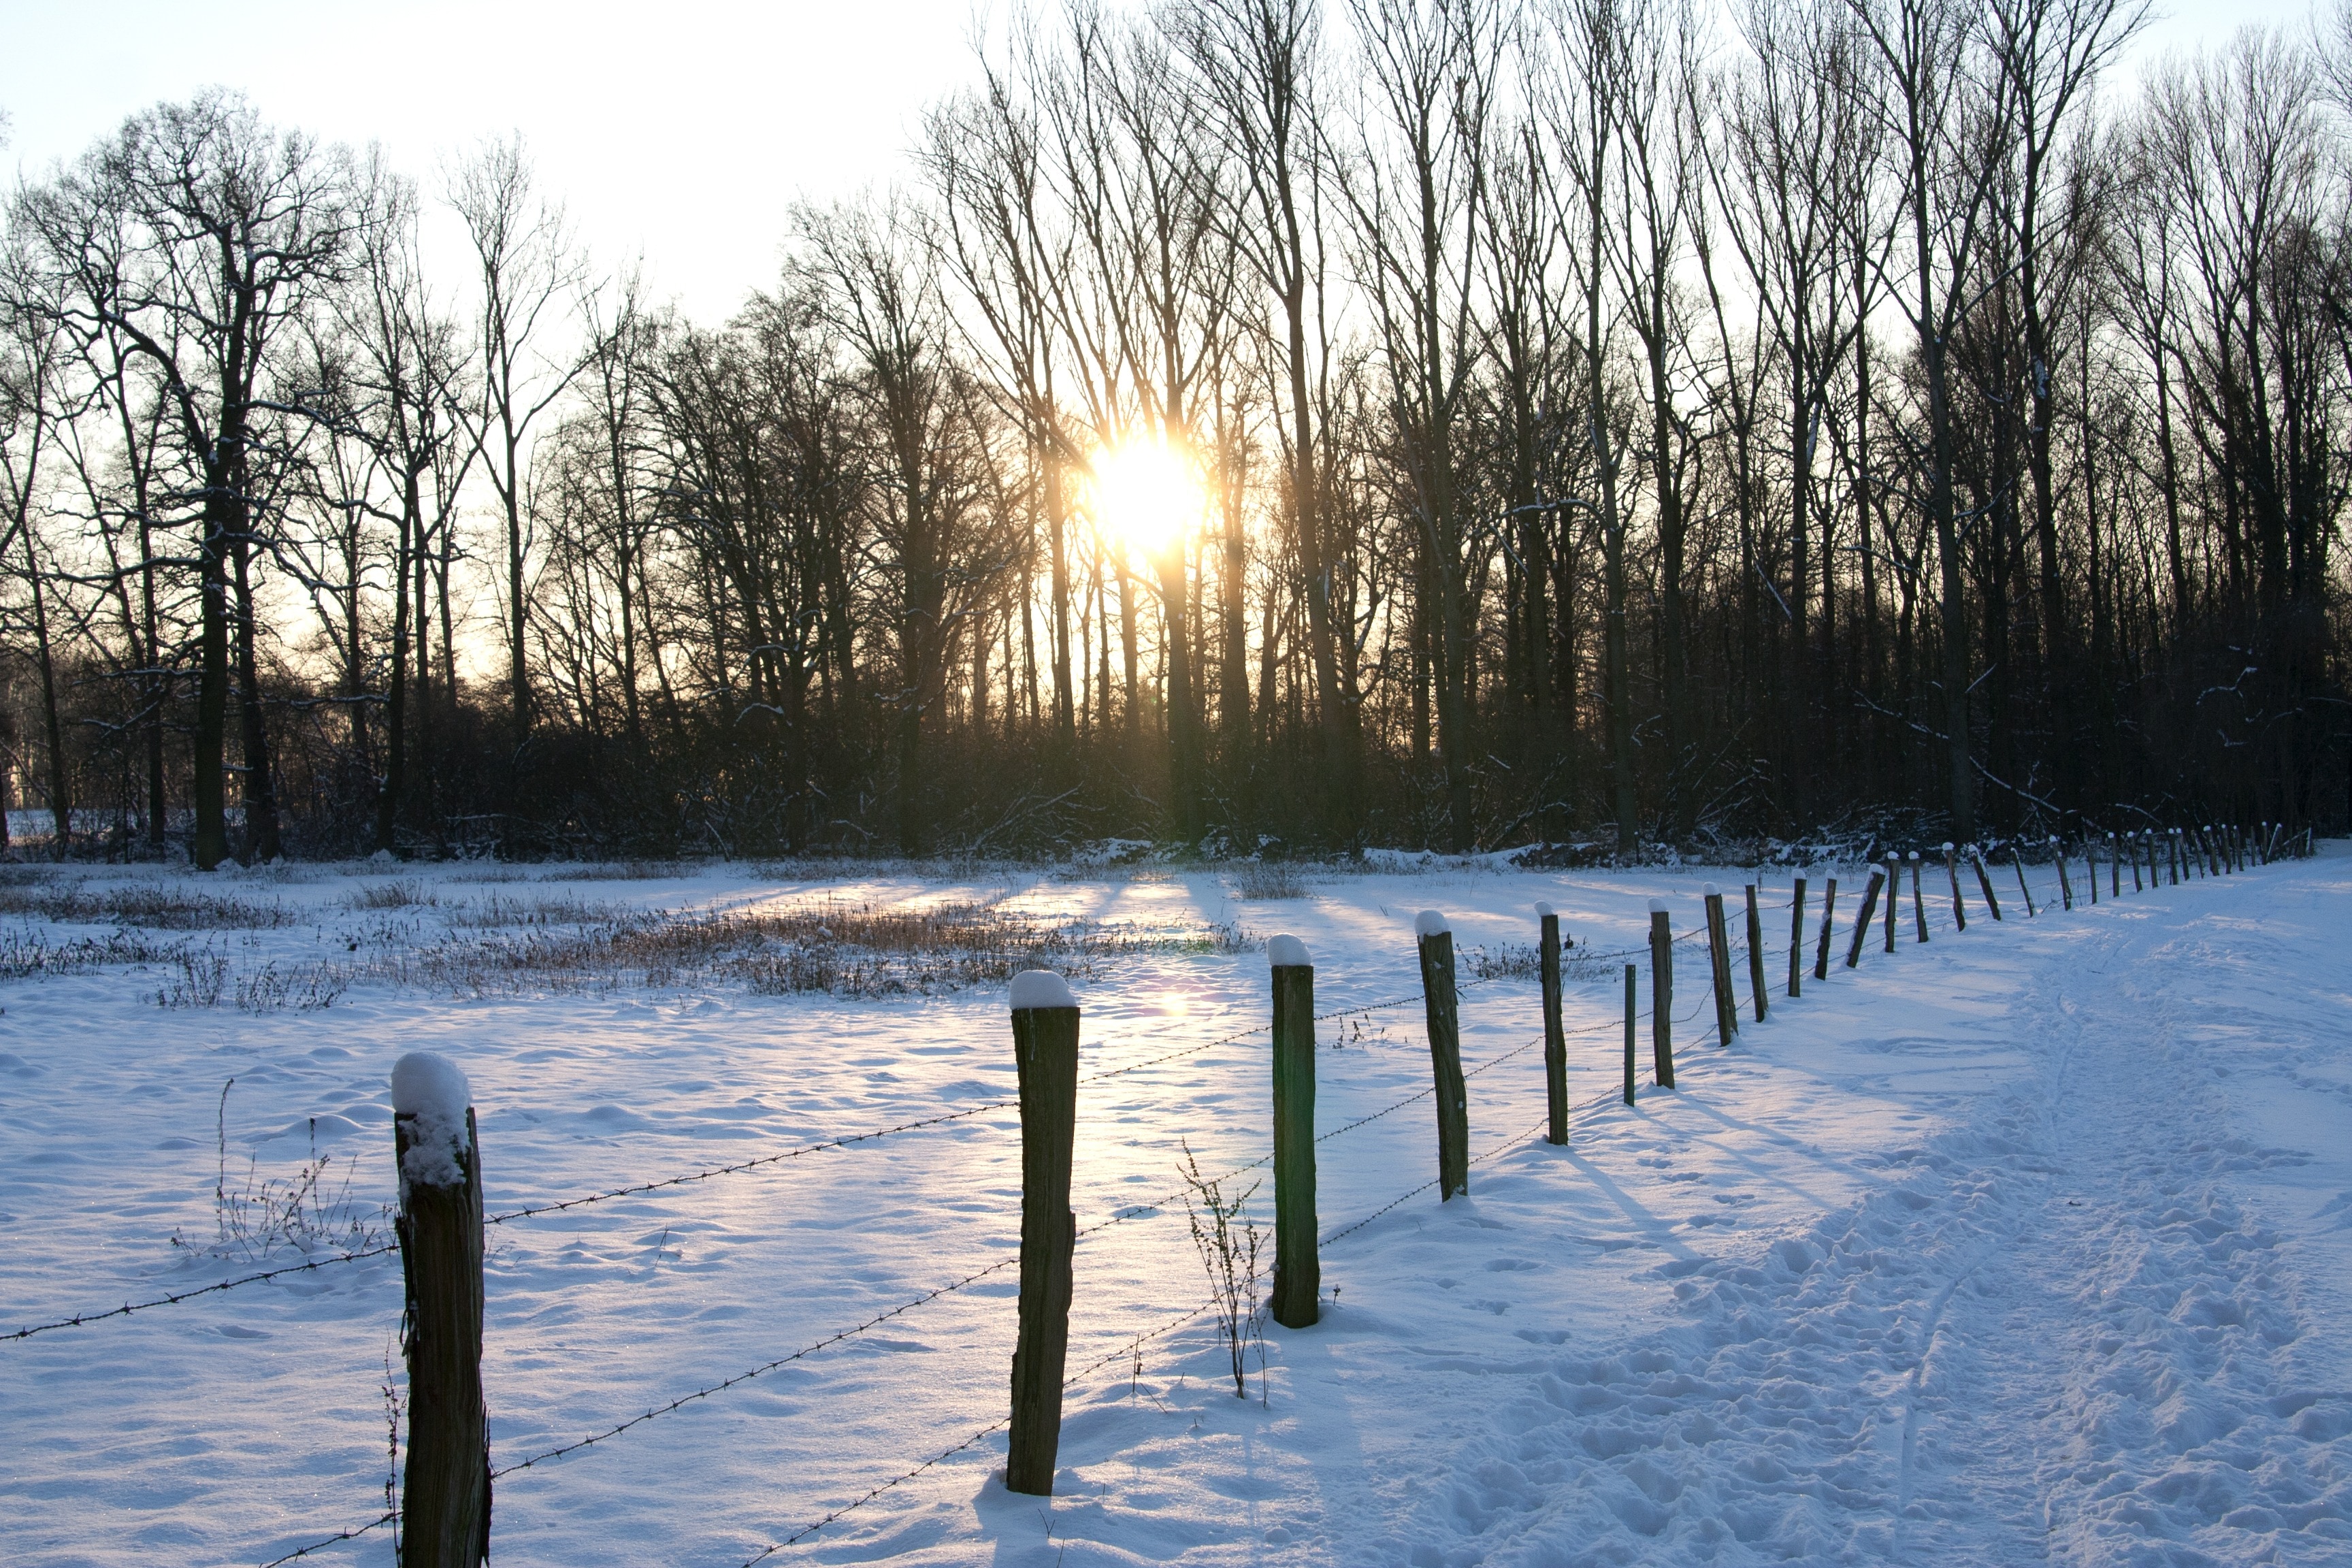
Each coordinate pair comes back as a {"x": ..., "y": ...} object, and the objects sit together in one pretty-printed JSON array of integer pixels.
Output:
[{"x": 682, "y": 130}]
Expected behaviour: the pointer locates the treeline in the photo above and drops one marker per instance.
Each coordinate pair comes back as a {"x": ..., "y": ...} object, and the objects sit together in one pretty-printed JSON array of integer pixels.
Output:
[{"x": 1561, "y": 421}]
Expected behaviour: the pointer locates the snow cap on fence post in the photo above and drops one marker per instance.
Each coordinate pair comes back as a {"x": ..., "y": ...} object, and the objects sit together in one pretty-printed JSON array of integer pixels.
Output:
[
  {"x": 432, "y": 1093},
  {"x": 1657, "y": 905},
  {"x": 1431, "y": 922},
  {"x": 1041, "y": 988},
  {"x": 1285, "y": 953},
  {"x": 1545, "y": 911},
  {"x": 1710, "y": 891}
]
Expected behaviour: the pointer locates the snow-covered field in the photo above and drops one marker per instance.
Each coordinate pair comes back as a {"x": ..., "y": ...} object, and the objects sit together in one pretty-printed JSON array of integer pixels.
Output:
[{"x": 2034, "y": 1242}]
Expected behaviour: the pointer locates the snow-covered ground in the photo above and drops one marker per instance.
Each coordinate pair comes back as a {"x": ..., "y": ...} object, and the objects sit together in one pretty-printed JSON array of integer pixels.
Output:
[{"x": 2034, "y": 1242}]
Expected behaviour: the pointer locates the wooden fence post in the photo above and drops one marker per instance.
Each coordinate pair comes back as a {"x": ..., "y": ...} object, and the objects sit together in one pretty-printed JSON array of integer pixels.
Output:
[
  {"x": 1045, "y": 1050},
  {"x": 1869, "y": 908},
  {"x": 1297, "y": 1271},
  {"x": 1555, "y": 1037},
  {"x": 1893, "y": 894},
  {"x": 1952, "y": 869},
  {"x": 1629, "y": 1034},
  {"x": 2172, "y": 853},
  {"x": 1829, "y": 914},
  {"x": 1439, "y": 1004},
  {"x": 1662, "y": 994},
  {"x": 1718, "y": 954},
  {"x": 2114, "y": 870},
  {"x": 445, "y": 1504},
  {"x": 2131, "y": 848},
  {"x": 1797, "y": 937},
  {"x": 1984, "y": 880},
  {"x": 2017, "y": 858},
  {"x": 1756, "y": 953},
  {"x": 2091, "y": 863},
  {"x": 1918, "y": 900},
  {"x": 2065, "y": 883}
]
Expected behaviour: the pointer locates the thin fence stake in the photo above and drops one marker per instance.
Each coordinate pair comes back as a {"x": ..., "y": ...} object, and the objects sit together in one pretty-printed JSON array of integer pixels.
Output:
[
  {"x": 2091, "y": 865},
  {"x": 1662, "y": 994},
  {"x": 1555, "y": 1035},
  {"x": 1718, "y": 954},
  {"x": 1894, "y": 895},
  {"x": 1441, "y": 1005},
  {"x": 444, "y": 1503},
  {"x": 2114, "y": 870},
  {"x": 1755, "y": 953},
  {"x": 1869, "y": 908},
  {"x": 2172, "y": 851},
  {"x": 1984, "y": 880},
  {"x": 1952, "y": 869},
  {"x": 1797, "y": 938},
  {"x": 1829, "y": 914},
  {"x": 2065, "y": 883},
  {"x": 2131, "y": 848},
  {"x": 1629, "y": 1034},
  {"x": 1919, "y": 902},
  {"x": 2017, "y": 858},
  {"x": 1297, "y": 1271},
  {"x": 1045, "y": 1051}
]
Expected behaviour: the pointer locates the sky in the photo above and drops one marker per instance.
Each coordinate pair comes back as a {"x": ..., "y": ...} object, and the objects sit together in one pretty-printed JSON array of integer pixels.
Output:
[{"x": 681, "y": 133}]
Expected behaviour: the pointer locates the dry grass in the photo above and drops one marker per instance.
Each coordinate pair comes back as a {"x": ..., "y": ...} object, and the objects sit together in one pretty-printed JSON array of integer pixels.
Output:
[
  {"x": 28, "y": 954},
  {"x": 397, "y": 895},
  {"x": 832, "y": 948},
  {"x": 1258, "y": 879},
  {"x": 155, "y": 908},
  {"x": 617, "y": 871},
  {"x": 495, "y": 912}
]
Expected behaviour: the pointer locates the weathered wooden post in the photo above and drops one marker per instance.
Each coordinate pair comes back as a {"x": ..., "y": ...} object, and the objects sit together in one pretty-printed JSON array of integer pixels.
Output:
[
  {"x": 2091, "y": 863},
  {"x": 2114, "y": 870},
  {"x": 445, "y": 1504},
  {"x": 1756, "y": 953},
  {"x": 1869, "y": 908},
  {"x": 1918, "y": 901},
  {"x": 1718, "y": 954},
  {"x": 2065, "y": 883},
  {"x": 2131, "y": 848},
  {"x": 1297, "y": 1272},
  {"x": 2017, "y": 858},
  {"x": 1893, "y": 894},
  {"x": 1829, "y": 914},
  {"x": 1439, "y": 1004},
  {"x": 1662, "y": 994},
  {"x": 1984, "y": 880},
  {"x": 1045, "y": 1051},
  {"x": 1555, "y": 1037},
  {"x": 1797, "y": 938},
  {"x": 1952, "y": 870},
  {"x": 1629, "y": 1034},
  {"x": 2172, "y": 853}
]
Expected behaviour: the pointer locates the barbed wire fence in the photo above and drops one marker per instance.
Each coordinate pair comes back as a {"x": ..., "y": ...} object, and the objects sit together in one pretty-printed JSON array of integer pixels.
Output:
[{"x": 1124, "y": 1214}]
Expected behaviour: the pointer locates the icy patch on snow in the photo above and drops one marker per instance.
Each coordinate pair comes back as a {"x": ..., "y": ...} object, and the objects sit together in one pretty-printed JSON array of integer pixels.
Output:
[
  {"x": 430, "y": 1090},
  {"x": 1041, "y": 988},
  {"x": 1431, "y": 922},
  {"x": 1285, "y": 953}
]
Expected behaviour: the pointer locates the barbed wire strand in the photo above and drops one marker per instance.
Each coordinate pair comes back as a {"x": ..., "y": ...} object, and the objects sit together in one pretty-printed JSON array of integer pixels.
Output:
[
  {"x": 1125, "y": 1350},
  {"x": 378, "y": 1522}
]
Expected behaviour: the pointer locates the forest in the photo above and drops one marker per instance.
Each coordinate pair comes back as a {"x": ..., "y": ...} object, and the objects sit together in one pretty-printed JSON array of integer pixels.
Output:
[{"x": 1244, "y": 426}]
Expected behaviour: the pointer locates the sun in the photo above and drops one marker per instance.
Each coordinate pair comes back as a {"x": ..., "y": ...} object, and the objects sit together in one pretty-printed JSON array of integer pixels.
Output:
[{"x": 1145, "y": 492}]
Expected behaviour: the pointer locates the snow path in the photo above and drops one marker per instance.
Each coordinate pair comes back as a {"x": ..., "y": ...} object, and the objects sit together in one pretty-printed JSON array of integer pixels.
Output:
[{"x": 2032, "y": 1244}]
